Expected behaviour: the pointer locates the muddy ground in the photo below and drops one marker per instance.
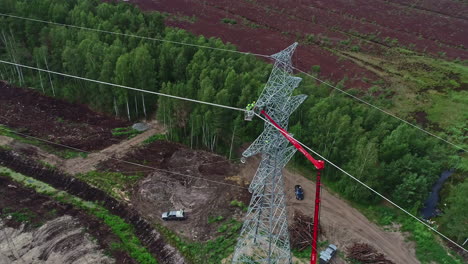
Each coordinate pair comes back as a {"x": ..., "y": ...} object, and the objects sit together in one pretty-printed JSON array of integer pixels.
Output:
[
  {"x": 197, "y": 181},
  {"x": 81, "y": 238},
  {"x": 325, "y": 29},
  {"x": 29, "y": 112}
]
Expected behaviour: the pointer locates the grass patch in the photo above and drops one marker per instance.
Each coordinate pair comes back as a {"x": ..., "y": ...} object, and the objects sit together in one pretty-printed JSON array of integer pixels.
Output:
[
  {"x": 129, "y": 242},
  {"x": 154, "y": 138},
  {"x": 229, "y": 21},
  {"x": 239, "y": 204},
  {"x": 209, "y": 252},
  {"x": 62, "y": 153},
  {"x": 448, "y": 109},
  {"x": 113, "y": 183},
  {"x": 214, "y": 219},
  {"x": 125, "y": 131},
  {"x": 21, "y": 216}
]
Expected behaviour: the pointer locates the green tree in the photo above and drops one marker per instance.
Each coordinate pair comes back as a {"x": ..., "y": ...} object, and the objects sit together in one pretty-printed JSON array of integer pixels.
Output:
[{"x": 455, "y": 218}]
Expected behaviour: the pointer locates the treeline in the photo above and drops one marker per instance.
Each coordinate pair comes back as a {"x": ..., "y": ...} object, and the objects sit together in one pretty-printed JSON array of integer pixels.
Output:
[{"x": 393, "y": 158}]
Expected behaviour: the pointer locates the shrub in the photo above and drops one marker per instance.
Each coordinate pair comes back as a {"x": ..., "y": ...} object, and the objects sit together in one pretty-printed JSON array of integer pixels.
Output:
[{"x": 229, "y": 21}]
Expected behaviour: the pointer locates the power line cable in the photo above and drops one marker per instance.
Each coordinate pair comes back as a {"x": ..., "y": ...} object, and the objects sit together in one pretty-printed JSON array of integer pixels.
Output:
[
  {"x": 380, "y": 109},
  {"x": 368, "y": 187},
  {"x": 123, "y": 86},
  {"x": 125, "y": 161},
  {"x": 227, "y": 107},
  {"x": 234, "y": 51},
  {"x": 132, "y": 36}
]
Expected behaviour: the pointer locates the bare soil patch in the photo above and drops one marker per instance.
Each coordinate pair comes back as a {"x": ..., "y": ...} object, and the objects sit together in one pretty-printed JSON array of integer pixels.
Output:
[
  {"x": 72, "y": 223},
  {"x": 191, "y": 180},
  {"x": 265, "y": 26},
  {"x": 75, "y": 125}
]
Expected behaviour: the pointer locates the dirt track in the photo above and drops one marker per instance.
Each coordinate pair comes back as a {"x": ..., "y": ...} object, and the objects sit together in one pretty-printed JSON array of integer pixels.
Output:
[
  {"x": 343, "y": 224},
  {"x": 82, "y": 165}
]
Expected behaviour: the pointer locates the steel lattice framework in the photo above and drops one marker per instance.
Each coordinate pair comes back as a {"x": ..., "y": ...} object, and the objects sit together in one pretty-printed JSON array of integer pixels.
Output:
[{"x": 264, "y": 236}]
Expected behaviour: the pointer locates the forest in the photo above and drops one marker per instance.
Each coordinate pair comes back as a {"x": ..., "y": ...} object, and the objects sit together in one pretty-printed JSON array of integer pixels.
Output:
[{"x": 392, "y": 157}]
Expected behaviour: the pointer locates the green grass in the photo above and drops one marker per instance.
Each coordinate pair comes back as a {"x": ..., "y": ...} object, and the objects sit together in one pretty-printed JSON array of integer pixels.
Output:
[
  {"x": 125, "y": 131},
  {"x": 239, "y": 204},
  {"x": 154, "y": 138},
  {"x": 62, "y": 153},
  {"x": 428, "y": 247},
  {"x": 229, "y": 21},
  {"x": 21, "y": 216},
  {"x": 114, "y": 183},
  {"x": 129, "y": 242},
  {"x": 209, "y": 252},
  {"x": 214, "y": 219},
  {"x": 449, "y": 108}
]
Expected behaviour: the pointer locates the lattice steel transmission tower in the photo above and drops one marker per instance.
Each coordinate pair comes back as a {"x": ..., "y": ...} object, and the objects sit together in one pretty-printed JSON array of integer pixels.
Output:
[{"x": 264, "y": 236}]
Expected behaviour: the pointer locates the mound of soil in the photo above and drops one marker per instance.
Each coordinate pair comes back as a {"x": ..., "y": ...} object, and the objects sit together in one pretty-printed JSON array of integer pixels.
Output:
[{"x": 75, "y": 125}]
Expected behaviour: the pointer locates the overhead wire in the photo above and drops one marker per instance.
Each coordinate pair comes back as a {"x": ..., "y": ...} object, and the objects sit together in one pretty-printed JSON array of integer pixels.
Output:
[
  {"x": 222, "y": 106},
  {"x": 125, "y": 161},
  {"x": 122, "y": 86},
  {"x": 367, "y": 186},
  {"x": 380, "y": 109},
  {"x": 132, "y": 35},
  {"x": 239, "y": 52},
  {"x": 229, "y": 107}
]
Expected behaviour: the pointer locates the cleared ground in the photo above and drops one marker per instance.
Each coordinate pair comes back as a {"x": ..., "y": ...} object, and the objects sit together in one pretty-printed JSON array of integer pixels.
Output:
[
  {"x": 326, "y": 28},
  {"x": 36, "y": 229}
]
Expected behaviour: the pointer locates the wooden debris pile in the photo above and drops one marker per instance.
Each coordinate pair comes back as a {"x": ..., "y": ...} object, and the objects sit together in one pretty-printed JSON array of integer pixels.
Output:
[
  {"x": 301, "y": 231},
  {"x": 364, "y": 253}
]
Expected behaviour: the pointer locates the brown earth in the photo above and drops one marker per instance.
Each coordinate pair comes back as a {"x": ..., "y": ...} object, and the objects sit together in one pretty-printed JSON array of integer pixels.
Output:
[
  {"x": 265, "y": 27},
  {"x": 73, "y": 242},
  {"x": 344, "y": 225},
  {"x": 75, "y": 125},
  {"x": 189, "y": 180},
  {"x": 341, "y": 224}
]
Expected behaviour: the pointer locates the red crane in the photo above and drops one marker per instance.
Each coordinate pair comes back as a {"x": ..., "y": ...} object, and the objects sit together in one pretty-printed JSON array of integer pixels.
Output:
[{"x": 319, "y": 165}]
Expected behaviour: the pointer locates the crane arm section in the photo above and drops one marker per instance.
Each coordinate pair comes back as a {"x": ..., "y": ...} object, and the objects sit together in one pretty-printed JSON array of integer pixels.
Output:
[{"x": 319, "y": 165}]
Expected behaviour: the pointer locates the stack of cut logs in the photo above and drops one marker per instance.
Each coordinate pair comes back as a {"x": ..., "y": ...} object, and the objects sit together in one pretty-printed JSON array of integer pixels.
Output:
[
  {"x": 301, "y": 231},
  {"x": 364, "y": 253}
]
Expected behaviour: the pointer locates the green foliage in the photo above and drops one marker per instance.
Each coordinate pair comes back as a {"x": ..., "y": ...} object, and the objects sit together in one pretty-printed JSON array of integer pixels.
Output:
[
  {"x": 154, "y": 138},
  {"x": 428, "y": 249},
  {"x": 21, "y": 216},
  {"x": 239, "y": 204},
  {"x": 355, "y": 48},
  {"x": 210, "y": 252},
  {"x": 309, "y": 38},
  {"x": 316, "y": 68},
  {"x": 229, "y": 21},
  {"x": 214, "y": 219},
  {"x": 455, "y": 218},
  {"x": 114, "y": 183},
  {"x": 125, "y": 131}
]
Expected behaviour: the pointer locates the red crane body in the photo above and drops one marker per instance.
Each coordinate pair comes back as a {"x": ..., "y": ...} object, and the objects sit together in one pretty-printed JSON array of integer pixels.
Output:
[{"x": 319, "y": 165}]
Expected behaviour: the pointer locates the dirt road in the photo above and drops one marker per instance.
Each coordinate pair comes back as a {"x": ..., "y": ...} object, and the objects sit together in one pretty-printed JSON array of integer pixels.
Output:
[
  {"x": 343, "y": 225},
  {"x": 81, "y": 165}
]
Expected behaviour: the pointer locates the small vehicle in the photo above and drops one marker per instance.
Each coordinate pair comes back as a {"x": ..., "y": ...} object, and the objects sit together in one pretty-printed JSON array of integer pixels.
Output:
[
  {"x": 327, "y": 254},
  {"x": 173, "y": 215},
  {"x": 299, "y": 192}
]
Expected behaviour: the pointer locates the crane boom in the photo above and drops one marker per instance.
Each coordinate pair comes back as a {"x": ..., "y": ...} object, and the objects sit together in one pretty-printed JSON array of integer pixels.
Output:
[{"x": 319, "y": 165}]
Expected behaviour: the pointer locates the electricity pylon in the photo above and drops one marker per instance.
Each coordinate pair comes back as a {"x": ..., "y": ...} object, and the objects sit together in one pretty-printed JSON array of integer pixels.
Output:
[{"x": 264, "y": 236}]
